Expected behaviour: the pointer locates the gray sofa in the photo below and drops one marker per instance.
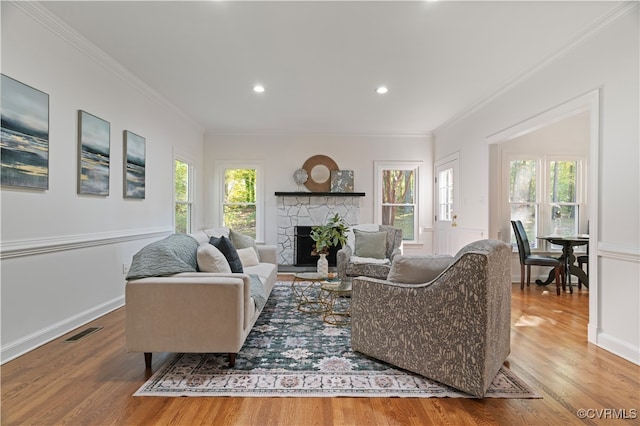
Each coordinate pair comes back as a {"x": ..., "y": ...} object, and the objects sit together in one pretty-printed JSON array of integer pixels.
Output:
[
  {"x": 192, "y": 311},
  {"x": 452, "y": 327}
]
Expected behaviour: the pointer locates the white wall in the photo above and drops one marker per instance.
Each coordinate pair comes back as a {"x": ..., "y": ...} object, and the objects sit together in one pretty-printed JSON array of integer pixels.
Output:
[
  {"x": 281, "y": 155},
  {"x": 62, "y": 253},
  {"x": 606, "y": 61}
]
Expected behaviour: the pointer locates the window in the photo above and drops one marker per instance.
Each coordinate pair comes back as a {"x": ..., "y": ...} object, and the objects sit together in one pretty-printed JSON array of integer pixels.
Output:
[
  {"x": 241, "y": 197},
  {"x": 183, "y": 177},
  {"x": 239, "y": 204},
  {"x": 445, "y": 194},
  {"x": 397, "y": 197},
  {"x": 546, "y": 195},
  {"x": 522, "y": 197}
]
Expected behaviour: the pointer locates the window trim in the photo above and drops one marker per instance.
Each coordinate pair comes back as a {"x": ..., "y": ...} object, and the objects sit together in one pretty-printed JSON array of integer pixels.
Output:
[
  {"x": 220, "y": 166},
  {"x": 380, "y": 167}
]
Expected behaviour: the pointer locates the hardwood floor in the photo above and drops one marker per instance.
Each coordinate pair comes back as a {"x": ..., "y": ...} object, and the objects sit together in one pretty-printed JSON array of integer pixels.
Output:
[{"x": 90, "y": 382}]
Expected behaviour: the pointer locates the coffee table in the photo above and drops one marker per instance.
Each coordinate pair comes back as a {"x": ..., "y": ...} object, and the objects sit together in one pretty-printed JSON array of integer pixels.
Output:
[
  {"x": 306, "y": 287},
  {"x": 336, "y": 295}
]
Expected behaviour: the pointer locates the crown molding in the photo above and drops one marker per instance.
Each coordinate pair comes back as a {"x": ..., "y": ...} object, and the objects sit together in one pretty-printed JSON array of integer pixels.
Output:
[
  {"x": 54, "y": 24},
  {"x": 317, "y": 133},
  {"x": 602, "y": 23}
]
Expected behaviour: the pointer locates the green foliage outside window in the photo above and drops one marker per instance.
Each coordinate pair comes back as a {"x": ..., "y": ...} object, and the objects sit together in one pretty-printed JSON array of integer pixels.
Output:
[
  {"x": 182, "y": 202},
  {"x": 398, "y": 200},
  {"x": 239, "y": 208}
]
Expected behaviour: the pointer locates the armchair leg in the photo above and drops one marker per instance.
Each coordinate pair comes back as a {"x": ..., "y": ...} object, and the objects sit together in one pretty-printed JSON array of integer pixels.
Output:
[{"x": 147, "y": 360}]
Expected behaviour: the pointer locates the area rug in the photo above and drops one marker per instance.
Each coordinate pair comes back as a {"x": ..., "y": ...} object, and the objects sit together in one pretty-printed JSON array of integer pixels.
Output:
[{"x": 293, "y": 354}]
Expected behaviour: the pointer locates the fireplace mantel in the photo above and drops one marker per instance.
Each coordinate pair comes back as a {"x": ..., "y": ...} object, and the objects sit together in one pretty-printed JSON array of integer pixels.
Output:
[{"x": 320, "y": 194}]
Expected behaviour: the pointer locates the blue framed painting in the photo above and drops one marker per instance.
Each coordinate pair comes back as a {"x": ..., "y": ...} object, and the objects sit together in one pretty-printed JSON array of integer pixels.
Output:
[
  {"x": 25, "y": 135},
  {"x": 134, "y": 165},
  {"x": 94, "y": 143}
]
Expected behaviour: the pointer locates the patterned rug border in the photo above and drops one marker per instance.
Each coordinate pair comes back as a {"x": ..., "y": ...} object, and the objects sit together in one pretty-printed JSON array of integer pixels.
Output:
[
  {"x": 206, "y": 375},
  {"x": 240, "y": 381}
]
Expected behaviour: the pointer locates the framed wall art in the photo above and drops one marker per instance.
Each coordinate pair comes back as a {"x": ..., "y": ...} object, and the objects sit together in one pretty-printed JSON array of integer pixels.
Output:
[
  {"x": 134, "y": 165},
  {"x": 94, "y": 135},
  {"x": 25, "y": 135},
  {"x": 341, "y": 180}
]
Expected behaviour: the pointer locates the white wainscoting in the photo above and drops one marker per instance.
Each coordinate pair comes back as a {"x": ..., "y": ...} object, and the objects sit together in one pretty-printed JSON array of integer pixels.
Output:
[
  {"x": 450, "y": 241},
  {"x": 52, "y": 286}
]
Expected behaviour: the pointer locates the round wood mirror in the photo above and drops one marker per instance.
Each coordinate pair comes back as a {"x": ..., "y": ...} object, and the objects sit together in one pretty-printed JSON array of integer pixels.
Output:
[{"x": 319, "y": 169}]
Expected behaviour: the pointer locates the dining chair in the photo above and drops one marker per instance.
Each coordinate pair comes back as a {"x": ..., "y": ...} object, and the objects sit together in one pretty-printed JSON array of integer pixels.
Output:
[
  {"x": 527, "y": 259},
  {"x": 583, "y": 260}
]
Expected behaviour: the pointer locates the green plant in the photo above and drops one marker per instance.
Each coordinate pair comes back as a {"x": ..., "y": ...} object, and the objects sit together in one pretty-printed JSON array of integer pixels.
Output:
[{"x": 333, "y": 234}]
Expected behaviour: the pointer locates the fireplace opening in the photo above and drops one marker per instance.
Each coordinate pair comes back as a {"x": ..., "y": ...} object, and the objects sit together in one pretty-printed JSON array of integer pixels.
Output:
[{"x": 304, "y": 246}]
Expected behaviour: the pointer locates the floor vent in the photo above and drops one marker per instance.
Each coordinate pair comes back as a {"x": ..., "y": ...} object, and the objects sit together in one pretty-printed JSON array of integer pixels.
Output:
[{"x": 82, "y": 334}]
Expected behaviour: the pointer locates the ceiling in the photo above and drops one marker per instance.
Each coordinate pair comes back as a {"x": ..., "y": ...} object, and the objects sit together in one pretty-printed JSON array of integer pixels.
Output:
[{"x": 320, "y": 62}]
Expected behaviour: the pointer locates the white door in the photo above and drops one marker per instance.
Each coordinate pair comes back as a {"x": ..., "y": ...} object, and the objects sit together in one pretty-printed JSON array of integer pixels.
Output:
[{"x": 446, "y": 194}]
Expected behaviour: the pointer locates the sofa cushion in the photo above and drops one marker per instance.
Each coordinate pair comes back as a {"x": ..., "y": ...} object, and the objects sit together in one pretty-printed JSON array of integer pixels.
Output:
[
  {"x": 241, "y": 241},
  {"x": 248, "y": 256},
  {"x": 210, "y": 259},
  {"x": 370, "y": 244},
  {"x": 205, "y": 235},
  {"x": 373, "y": 270},
  {"x": 226, "y": 247},
  {"x": 417, "y": 269}
]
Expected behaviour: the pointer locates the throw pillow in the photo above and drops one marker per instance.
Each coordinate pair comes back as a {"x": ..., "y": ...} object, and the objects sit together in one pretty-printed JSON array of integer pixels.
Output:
[
  {"x": 217, "y": 232},
  {"x": 241, "y": 240},
  {"x": 417, "y": 269},
  {"x": 226, "y": 247},
  {"x": 248, "y": 257},
  {"x": 210, "y": 259},
  {"x": 370, "y": 244}
]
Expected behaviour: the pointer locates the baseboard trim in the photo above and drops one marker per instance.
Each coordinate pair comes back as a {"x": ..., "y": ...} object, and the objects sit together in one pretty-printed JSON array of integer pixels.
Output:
[
  {"x": 618, "y": 347},
  {"x": 31, "y": 247},
  {"x": 30, "y": 342}
]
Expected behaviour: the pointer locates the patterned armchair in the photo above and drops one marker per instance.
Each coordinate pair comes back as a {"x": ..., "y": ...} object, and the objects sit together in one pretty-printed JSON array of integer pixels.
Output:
[
  {"x": 454, "y": 329},
  {"x": 350, "y": 265}
]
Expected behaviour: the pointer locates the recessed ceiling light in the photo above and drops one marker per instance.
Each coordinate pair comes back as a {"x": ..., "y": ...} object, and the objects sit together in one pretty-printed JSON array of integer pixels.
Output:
[
  {"x": 258, "y": 88},
  {"x": 382, "y": 90}
]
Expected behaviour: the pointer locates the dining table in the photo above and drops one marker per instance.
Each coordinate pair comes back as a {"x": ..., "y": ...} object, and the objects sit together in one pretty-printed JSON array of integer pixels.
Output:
[{"x": 567, "y": 258}]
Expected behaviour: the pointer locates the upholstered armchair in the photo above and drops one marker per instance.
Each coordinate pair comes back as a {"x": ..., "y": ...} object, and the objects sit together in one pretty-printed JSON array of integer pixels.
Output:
[
  {"x": 369, "y": 251},
  {"x": 452, "y": 326}
]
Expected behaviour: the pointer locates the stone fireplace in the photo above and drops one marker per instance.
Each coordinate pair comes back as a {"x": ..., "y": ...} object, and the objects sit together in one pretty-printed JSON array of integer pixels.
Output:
[{"x": 310, "y": 209}]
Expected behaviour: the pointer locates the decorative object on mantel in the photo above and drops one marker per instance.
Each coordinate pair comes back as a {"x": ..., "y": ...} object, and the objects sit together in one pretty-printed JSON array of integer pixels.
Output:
[
  {"x": 333, "y": 234},
  {"x": 300, "y": 176},
  {"x": 319, "y": 169},
  {"x": 341, "y": 180}
]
